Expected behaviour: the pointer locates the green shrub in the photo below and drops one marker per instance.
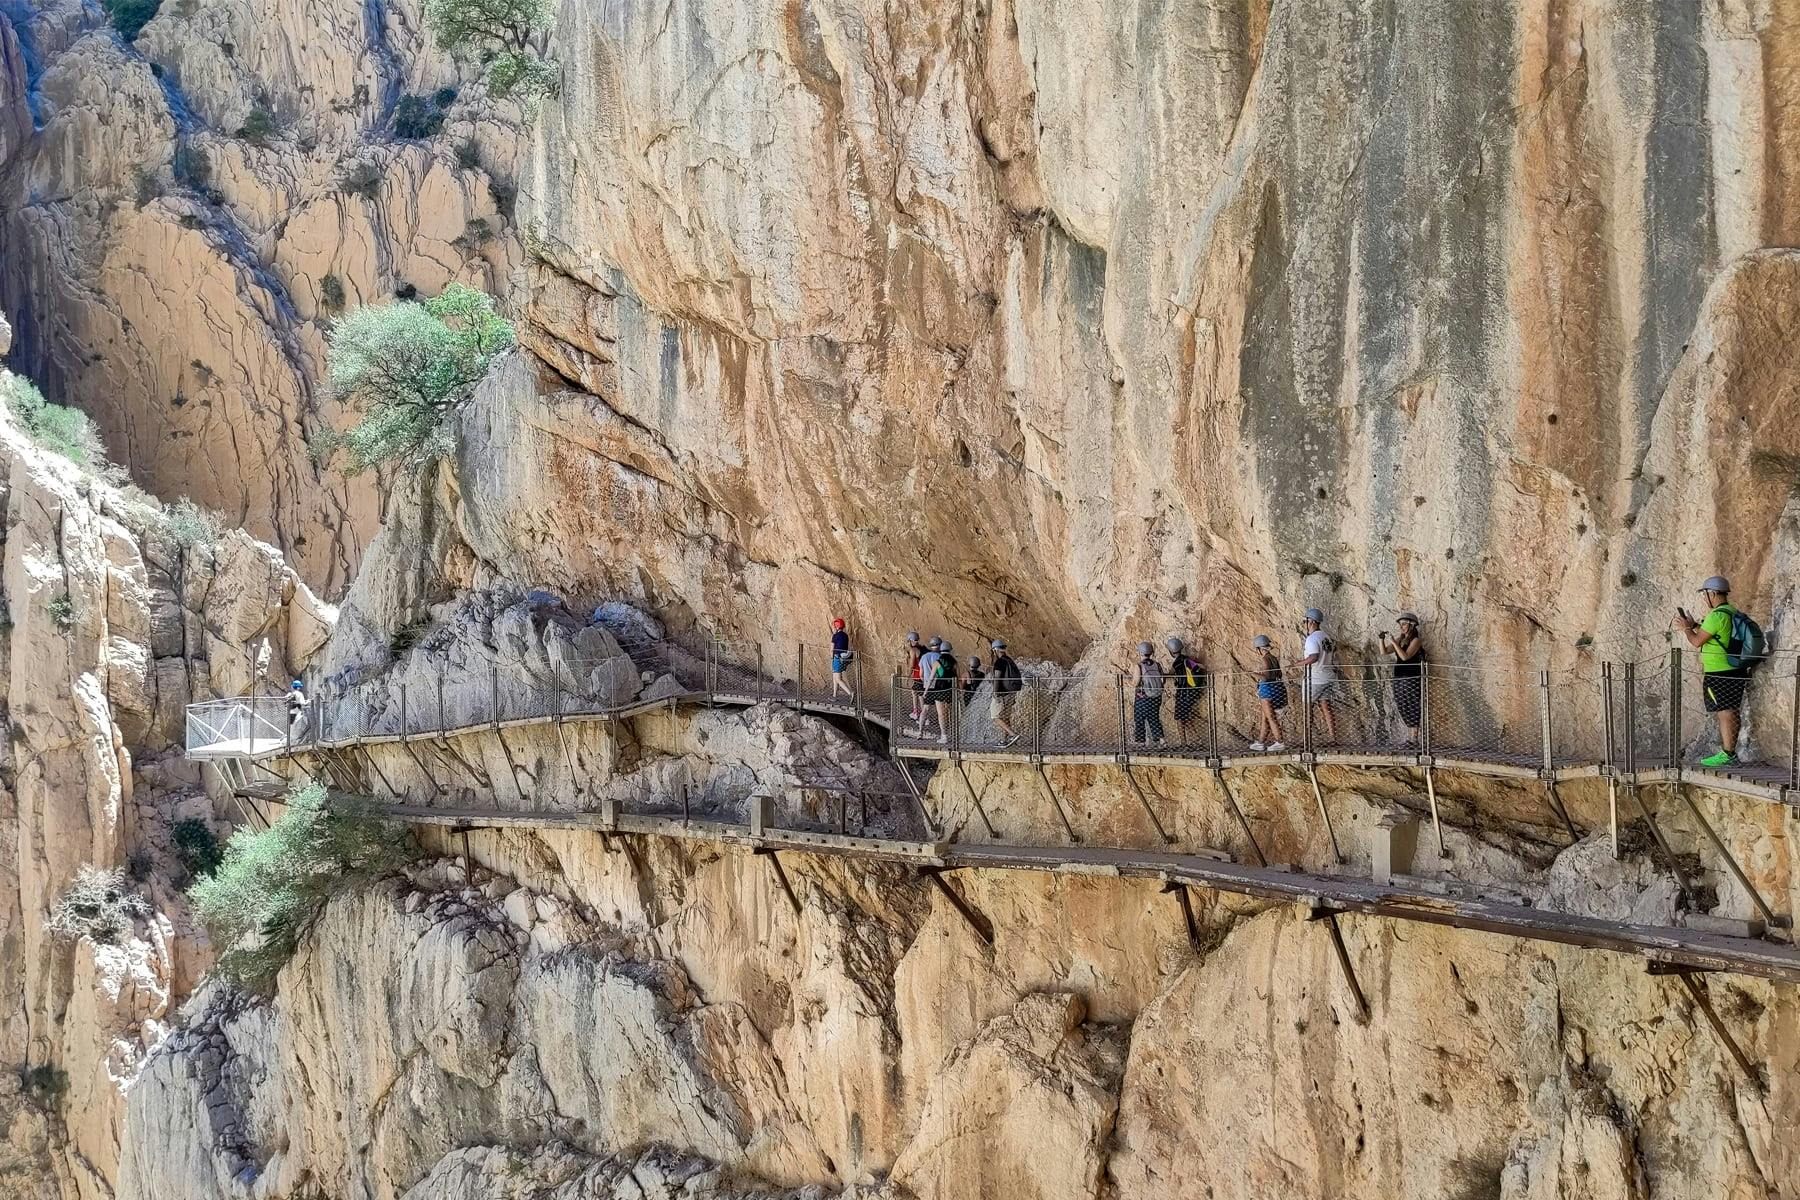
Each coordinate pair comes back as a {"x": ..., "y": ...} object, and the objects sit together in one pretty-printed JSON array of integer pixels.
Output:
[
  {"x": 363, "y": 179},
  {"x": 407, "y": 636},
  {"x": 62, "y": 612},
  {"x": 506, "y": 37},
  {"x": 258, "y": 127},
  {"x": 331, "y": 293},
  {"x": 192, "y": 527},
  {"x": 417, "y": 117},
  {"x": 148, "y": 187},
  {"x": 130, "y": 16},
  {"x": 44, "y": 1085},
  {"x": 405, "y": 366},
  {"x": 97, "y": 904},
  {"x": 476, "y": 233},
  {"x": 196, "y": 847},
  {"x": 56, "y": 427},
  {"x": 192, "y": 166},
  {"x": 468, "y": 156},
  {"x": 273, "y": 883}
]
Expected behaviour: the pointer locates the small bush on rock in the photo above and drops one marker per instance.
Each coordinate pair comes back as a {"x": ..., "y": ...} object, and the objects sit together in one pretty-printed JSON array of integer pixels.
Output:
[
  {"x": 55, "y": 427},
  {"x": 271, "y": 884},
  {"x": 196, "y": 846},
  {"x": 406, "y": 366},
  {"x": 98, "y": 904},
  {"x": 44, "y": 1085},
  {"x": 364, "y": 179},
  {"x": 192, "y": 166},
  {"x": 130, "y": 16},
  {"x": 62, "y": 612},
  {"x": 331, "y": 293},
  {"x": 258, "y": 127},
  {"x": 417, "y": 117},
  {"x": 192, "y": 527}
]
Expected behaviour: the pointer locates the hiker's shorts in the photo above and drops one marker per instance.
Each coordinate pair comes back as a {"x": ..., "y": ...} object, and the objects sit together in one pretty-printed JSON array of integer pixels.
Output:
[{"x": 1724, "y": 690}]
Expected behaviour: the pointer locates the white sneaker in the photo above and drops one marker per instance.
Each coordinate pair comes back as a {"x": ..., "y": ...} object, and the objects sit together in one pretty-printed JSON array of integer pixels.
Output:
[
  {"x": 1275, "y": 747},
  {"x": 1256, "y": 745},
  {"x": 943, "y": 739}
]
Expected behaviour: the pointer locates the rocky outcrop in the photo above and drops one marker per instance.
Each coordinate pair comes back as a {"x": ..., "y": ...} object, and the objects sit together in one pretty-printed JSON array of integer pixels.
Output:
[
  {"x": 112, "y": 623},
  {"x": 173, "y": 265}
]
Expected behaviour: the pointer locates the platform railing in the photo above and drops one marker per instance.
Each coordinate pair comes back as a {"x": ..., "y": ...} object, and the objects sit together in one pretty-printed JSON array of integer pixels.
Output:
[{"x": 252, "y": 724}]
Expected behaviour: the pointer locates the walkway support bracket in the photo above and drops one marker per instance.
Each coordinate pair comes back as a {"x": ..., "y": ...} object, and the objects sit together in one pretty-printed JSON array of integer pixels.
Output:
[
  {"x": 1319, "y": 912},
  {"x": 1056, "y": 801},
  {"x": 1691, "y": 979},
  {"x": 1138, "y": 790},
  {"x": 1312, "y": 771},
  {"x": 974, "y": 799},
  {"x": 1687, "y": 889},
  {"x": 1437, "y": 824},
  {"x": 984, "y": 928},
  {"x": 1770, "y": 918},
  {"x": 912, "y": 785},
  {"x": 781, "y": 876},
  {"x": 1187, "y": 914},
  {"x": 1256, "y": 853}
]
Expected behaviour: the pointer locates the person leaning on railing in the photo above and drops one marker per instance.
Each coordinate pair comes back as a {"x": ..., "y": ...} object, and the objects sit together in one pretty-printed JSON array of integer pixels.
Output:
[
  {"x": 1408, "y": 649},
  {"x": 1722, "y": 683}
]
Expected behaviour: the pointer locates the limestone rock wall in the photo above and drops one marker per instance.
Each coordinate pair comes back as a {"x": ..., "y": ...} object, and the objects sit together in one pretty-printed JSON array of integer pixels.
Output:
[
  {"x": 110, "y": 626},
  {"x": 1084, "y": 322},
  {"x": 168, "y": 272}
]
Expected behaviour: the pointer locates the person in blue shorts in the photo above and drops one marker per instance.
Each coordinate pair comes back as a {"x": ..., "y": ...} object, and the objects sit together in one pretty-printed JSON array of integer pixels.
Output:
[
  {"x": 841, "y": 658},
  {"x": 1271, "y": 691}
]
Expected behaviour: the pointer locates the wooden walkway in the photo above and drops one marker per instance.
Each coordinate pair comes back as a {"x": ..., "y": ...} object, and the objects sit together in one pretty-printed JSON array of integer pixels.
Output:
[{"x": 1318, "y": 894}]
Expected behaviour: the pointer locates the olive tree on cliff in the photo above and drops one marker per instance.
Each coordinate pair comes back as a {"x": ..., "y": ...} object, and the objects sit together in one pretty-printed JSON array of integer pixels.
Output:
[
  {"x": 506, "y": 37},
  {"x": 404, "y": 367}
]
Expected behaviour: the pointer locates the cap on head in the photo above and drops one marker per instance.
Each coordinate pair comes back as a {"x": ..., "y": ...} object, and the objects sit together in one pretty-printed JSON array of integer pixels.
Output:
[
  {"x": 974, "y": 662},
  {"x": 937, "y": 643},
  {"x": 943, "y": 645},
  {"x": 1260, "y": 641},
  {"x": 1717, "y": 583},
  {"x": 298, "y": 686},
  {"x": 912, "y": 639},
  {"x": 1174, "y": 645},
  {"x": 1313, "y": 614},
  {"x": 837, "y": 623},
  {"x": 997, "y": 644},
  {"x": 1144, "y": 648},
  {"x": 1411, "y": 618}
]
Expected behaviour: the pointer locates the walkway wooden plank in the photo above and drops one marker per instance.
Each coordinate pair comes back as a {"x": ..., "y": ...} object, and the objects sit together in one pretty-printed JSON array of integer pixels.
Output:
[{"x": 1673, "y": 946}]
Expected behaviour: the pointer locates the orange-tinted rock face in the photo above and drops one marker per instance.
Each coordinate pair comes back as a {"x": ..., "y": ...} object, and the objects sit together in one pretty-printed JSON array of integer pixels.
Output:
[{"x": 1050, "y": 322}]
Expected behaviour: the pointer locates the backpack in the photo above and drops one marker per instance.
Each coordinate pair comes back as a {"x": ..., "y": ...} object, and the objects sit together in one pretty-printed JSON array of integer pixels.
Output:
[
  {"x": 946, "y": 667},
  {"x": 1746, "y": 646},
  {"x": 1007, "y": 671},
  {"x": 1150, "y": 680},
  {"x": 1192, "y": 674}
]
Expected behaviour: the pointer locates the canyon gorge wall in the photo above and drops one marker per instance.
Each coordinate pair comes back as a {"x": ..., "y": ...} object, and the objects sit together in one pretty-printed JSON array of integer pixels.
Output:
[{"x": 1076, "y": 322}]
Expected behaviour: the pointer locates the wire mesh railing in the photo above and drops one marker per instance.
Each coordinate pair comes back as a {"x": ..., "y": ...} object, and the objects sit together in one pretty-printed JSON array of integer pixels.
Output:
[{"x": 1627, "y": 717}]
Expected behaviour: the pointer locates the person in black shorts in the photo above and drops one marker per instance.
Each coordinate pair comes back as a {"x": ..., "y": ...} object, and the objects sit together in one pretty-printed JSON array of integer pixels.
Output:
[
  {"x": 1408, "y": 649},
  {"x": 938, "y": 688}
]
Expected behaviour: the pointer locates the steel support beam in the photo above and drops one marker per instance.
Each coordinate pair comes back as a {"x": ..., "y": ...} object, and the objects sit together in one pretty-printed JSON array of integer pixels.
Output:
[
  {"x": 1243, "y": 822},
  {"x": 1187, "y": 914},
  {"x": 1662, "y": 843},
  {"x": 781, "y": 876},
  {"x": 1312, "y": 771},
  {"x": 1770, "y": 918},
  {"x": 1056, "y": 803},
  {"x": 984, "y": 928},
  {"x": 1329, "y": 917},
  {"x": 1696, "y": 989},
  {"x": 1138, "y": 791},
  {"x": 975, "y": 800}
]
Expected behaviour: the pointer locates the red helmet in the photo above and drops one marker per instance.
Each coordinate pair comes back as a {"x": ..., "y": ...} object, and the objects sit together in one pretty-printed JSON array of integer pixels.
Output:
[{"x": 837, "y": 623}]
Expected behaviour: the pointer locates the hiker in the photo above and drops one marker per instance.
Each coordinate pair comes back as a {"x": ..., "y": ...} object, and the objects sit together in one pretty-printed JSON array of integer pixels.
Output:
[
  {"x": 1408, "y": 649},
  {"x": 1271, "y": 692},
  {"x": 296, "y": 707},
  {"x": 1321, "y": 673},
  {"x": 841, "y": 658},
  {"x": 942, "y": 680},
  {"x": 1147, "y": 698},
  {"x": 972, "y": 683},
  {"x": 1188, "y": 675},
  {"x": 1730, "y": 645},
  {"x": 1008, "y": 683},
  {"x": 910, "y": 670}
]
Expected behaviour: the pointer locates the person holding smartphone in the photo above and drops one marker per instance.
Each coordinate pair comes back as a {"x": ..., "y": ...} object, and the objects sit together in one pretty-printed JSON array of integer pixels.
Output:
[
  {"x": 1722, "y": 684},
  {"x": 1408, "y": 650}
]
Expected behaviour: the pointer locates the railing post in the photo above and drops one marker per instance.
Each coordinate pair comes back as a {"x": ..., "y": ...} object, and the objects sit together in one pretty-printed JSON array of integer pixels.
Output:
[
  {"x": 1675, "y": 711},
  {"x": 1124, "y": 741},
  {"x": 1212, "y": 719},
  {"x": 759, "y": 671},
  {"x": 1425, "y": 712},
  {"x": 556, "y": 695},
  {"x": 1630, "y": 711},
  {"x": 800, "y": 674},
  {"x": 1608, "y": 727},
  {"x": 1306, "y": 711},
  {"x": 857, "y": 663},
  {"x": 249, "y": 711},
  {"x": 955, "y": 730},
  {"x": 1544, "y": 713},
  {"x": 1794, "y": 733},
  {"x": 494, "y": 694},
  {"x": 403, "y": 712},
  {"x": 443, "y": 719}
]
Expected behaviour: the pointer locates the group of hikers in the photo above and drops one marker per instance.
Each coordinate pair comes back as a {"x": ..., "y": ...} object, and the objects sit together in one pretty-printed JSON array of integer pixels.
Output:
[{"x": 1730, "y": 646}]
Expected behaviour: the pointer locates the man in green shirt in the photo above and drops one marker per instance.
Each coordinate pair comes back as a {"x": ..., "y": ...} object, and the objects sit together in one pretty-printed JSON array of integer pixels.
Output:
[{"x": 1722, "y": 684}]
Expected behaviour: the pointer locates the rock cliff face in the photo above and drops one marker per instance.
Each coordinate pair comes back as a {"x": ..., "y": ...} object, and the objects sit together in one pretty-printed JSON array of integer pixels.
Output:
[
  {"x": 111, "y": 624},
  {"x": 1073, "y": 321},
  {"x": 172, "y": 264}
]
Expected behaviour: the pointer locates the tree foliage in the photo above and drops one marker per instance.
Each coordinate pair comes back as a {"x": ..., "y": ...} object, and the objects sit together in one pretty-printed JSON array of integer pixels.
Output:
[
  {"x": 506, "y": 37},
  {"x": 405, "y": 366},
  {"x": 130, "y": 16},
  {"x": 271, "y": 884},
  {"x": 67, "y": 431}
]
